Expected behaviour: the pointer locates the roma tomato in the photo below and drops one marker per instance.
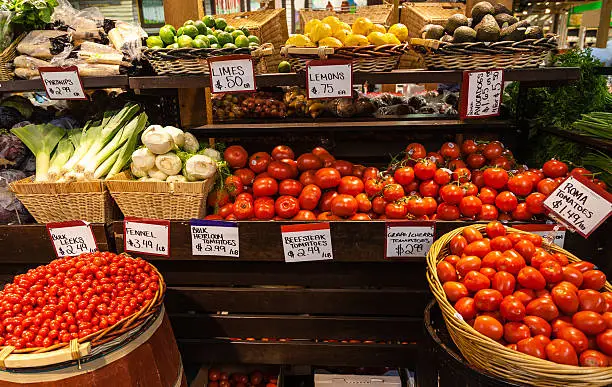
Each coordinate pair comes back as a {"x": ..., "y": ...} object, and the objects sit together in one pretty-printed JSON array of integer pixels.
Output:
[
  {"x": 465, "y": 307},
  {"x": 520, "y": 185},
  {"x": 351, "y": 185},
  {"x": 490, "y": 260},
  {"x": 592, "y": 300},
  {"x": 604, "y": 341},
  {"x": 535, "y": 203},
  {"x": 344, "y": 205},
  {"x": 515, "y": 332},
  {"x": 573, "y": 275},
  {"x": 511, "y": 262},
  {"x": 511, "y": 309},
  {"x": 471, "y": 234},
  {"x": 524, "y": 295},
  {"x": 309, "y": 197},
  {"x": 551, "y": 271},
  {"x": 467, "y": 264},
  {"x": 404, "y": 175},
  {"x": 455, "y": 290},
  {"x": 457, "y": 244},
  {"x": 446, "y": 272},
  {"x": 530, "y": 278},
  {"x": 280, "y": 170},
  {"x": 506, "y": 201},
  {"x": 487, "y": 195},
  {"x": 562, "y": 352},
  {"x": 539, "y": 257},
  {"x": 495, "y": 229},
  {"x": 501, "y": 243},
  {"x": 575, "y": 337},
  {"x": 290, "y": 187},
  {"x": 475, "y": 281},
  {"x": 554, "y": 168},
  {"x": 259, "y": 161},
  {"x": 565, "y": 298},
  {"x": 592, "y": 358},
  {"x": 489, "y": 326},
  {"x": 531, "y": 346},
  {"x": 538, "y": 326},
  {"x": 495, "y": 177},
  {"x": 287, "y": 207},
  {"x": 544, "y": 308},
  {"x": 265, "y": 186},
  {"x": 489, "y": 272},
  {"x": 478, "y": 248},
  {"x": 488, "y": 300},
  {"x": 470, "y": 206},
  {"x": 525, "y": 248},
  {"x": 327, "y": 178},
  {"x": 593, "y": 279},
  {"x": 309, "y": 161},
  {"x": 452, "y": 259},
  {"x": 583, "y": 266},
  {"x": 235, "y": 156},
  {"x": 589, "y": 322},
  {"x": 504, "y": 283}
]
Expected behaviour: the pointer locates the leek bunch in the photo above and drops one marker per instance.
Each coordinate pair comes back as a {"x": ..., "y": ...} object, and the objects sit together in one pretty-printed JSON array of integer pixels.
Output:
[{"x": 595, "y": 124}]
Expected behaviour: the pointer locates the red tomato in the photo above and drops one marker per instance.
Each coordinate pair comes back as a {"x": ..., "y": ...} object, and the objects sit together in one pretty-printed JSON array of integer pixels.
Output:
[
  {"x": 326, "y": 200},
  {"x": 604, "y": 341},
  {"x": 358, "y": 170},
  {"x": 489, "y": 272},
  {"x": 245, "y": 196},
  {"x": 531, "y": 278},
  {"x": 378, "y": 205},
  {"x": 583, "y": 266},
  {"x": 487, "y": 300},
  {"x": 470, "y": 206},
  {"x": 396, "y": 210},
  {"x": 393, "y": 192},
  {"x": 462, "y": 175},
  {"x": 492, "y": 150},
  {"x": 538, "y": 326},
  {"x": 235, "y": 156},
  {"x": 561, "y": 258},
  {"x": 511, "y": 309},
  {"x": 287, "y": 207},
  {"x": 446, "y": 272},
  {"x": 470, "y": 189},
  {"x": 307, "y": 177},
  {"x": 478, "y": 179},
  {"x": 309, "y": 161},
  {"x": 290, "y": 187},
  {"x": 589, "y": 322},
  {"x": 217, "y": 198},
  {"x": 495, "y": 229},
  {"x": 436, "y": 158},
  {"x": 243, "y": 209},
  {"x": 478, "y": 248},
  {"x": 488, "y": 212},
  {"x": 360, "y": 216},
  {"x": 511, "y": 262},
  {"x": 344, "y": 205},
  {"x": 305, "y": 215},
  {"x": 258, "y": 162},
  {"x": 502, "y": 162},
  {"x": 425, "y": 169},
  {"x": 495, "y": 177},
  {"x": 363, "y": 203},
  {"x": 320, "y": 151},
  {"x": 501, "y": 243},
  {"x": 475, "y": 281},
  {"x": 404, "y": 175},
  {"x": 465, "y": 307},
  {"x": 535, "y": 203},
  {"x": 327, "y": 216},
  {"x": 562, "y": 352},
  {"x": 551, "y": 271},
  {"x": 327, "y": 160},
  {"x": 373, "y": 187},
  {"x": 515, "y": 332},
  {"x": 531, "y": 346},
  {"x": 309, "y": 197},
  {"x": 457, "y": 244},
  {"x": 245, "y": 175},
  {"x": 593, "y": 279},
  {"x": 471, "y": 234},
  {"x": 447, "y": 211},
  {"x": 415, "y": 151},
  {"x": 265, "y": 186},
  {"x": 520, "y": 185},
  {"x": 544, "y": 308},
  {"x": 542, "y": 339},
  {"x": 592, "y": 300},
  {"x": 264, "y": 208},
  {"x": 573, "y": 275},
  {"x": 351, "y": 185},
  {"x": 490, "y": 260},
  {"x": 506, "y": 201},
  {"x": 489, "y": 326},
  {"x": 524, "y": 295},
  {"x": 280, "y": 170},
  {"x": 467, "y": 264},
  {"x": 450, "y": 150},
  {"x": 521, "y": 212},
  {"x": 554, "y": 168},
  {"x": 327, "y": 178},
  {"x": 442, "y": 176},
  {"x": 487, "y": 195},
  {"x": 476, "y": 161},
  {"x": 344, "y": 167},
  {"x": 282, "y": 152},
  {"x": 428, "y": 188},
  {"x": 547, "y": 186},
  {"x": 575, "y": 337},
  {"x": 592, "y": 358},
  {"x": 504, "y": 283},
  {"x": 525, "y": 248},
  {"x": 371, "y": 173},
  {"x": 452, "y": 259},
  {"x": 468, "y": 147},
  {"x": 226, "y": 210},
  {"x": 455, "y": 290}
]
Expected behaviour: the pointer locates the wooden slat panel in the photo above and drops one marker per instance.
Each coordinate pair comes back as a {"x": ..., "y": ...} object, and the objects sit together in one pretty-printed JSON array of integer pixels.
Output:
[
  {"x": 202, "y": 326},
  {"x": 358, "y": 355},
  {"x": 363, "y": 302}
]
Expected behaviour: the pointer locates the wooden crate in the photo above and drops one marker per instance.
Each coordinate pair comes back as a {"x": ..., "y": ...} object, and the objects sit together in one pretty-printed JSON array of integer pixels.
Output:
[
  {"x": 417, "y": 15},
  {"x": 269, "y": 25},
  {"x": 379, "y": 14}
]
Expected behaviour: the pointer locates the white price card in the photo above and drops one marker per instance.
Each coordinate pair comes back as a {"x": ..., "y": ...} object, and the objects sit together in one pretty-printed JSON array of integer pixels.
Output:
[
  {"x": 408, "y": 239},
  {"x": 214, "y": 237},
  {"x": 147, "y": 236},
  {"x": 232, "y": 74},
  {"x": 329, "y": 79},
  {"x": 307, "y": 242},
  {"x": 552, "y": 232},
  {"x": 579, "y": 204},
  {"x": 71, "y": 238},
  {"x": 62, "y": 82},
  {"x": 481, "y": 93}
]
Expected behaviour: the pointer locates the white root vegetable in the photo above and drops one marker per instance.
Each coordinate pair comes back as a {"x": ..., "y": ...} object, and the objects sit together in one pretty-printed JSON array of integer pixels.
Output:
[
  {"x": 143, "y": 159},
  {"x": 157, "y": 174},
  {"x": 138, "y": 172},
  {"x": 199, "y": 167},
  {"x": 169, "y": 163},
  {"x": 191, "y": 144},
  {"x": 157, "y": 140},
  {"x": 176, "y": 179},
  {"x": 178, "y": 136},
  {"x": 212, "y": 153}
]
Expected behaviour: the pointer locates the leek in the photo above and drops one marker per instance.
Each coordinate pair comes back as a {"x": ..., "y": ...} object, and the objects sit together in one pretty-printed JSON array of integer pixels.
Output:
[
  {"x": 60, "y": 157},
  {"x": 90, "y": 132},
  {"x": 41, "y": 140},
  {"x": 106, "y": 166},
  {"x": 125, "y": 153}
]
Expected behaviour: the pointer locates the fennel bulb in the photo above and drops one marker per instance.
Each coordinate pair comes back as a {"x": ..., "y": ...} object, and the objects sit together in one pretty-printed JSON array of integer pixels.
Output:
[
  {"x": 212, "y": 153},
  {"x": 157, "y": 139},
  {"x": 40, "y": 139},
  {"x": 176, "y": 179},
  {"x": 157, "y": 174},
  {"x": 199, "y": 167},
  {"x": 191, "y": 144},
  {"x": 178, "y": 136},
  {"x": 169, "y": 163},
  {"x": 138, "y": 172},
  {"x": 143, "y": 158}
]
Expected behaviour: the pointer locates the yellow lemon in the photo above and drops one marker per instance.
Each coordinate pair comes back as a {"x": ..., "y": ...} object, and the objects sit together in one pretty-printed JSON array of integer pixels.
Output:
[
  {"x": 345, "y": 26},
  {"x": 333, "y": 22},
  {"x": 310, "y": 25},
  {"x": 341, "y": 35},
  {"x": 377, "y": 38},
  {"x": 391, "y": 39},
  {"x": 379, "y": 28},
  {"x": 320, "y": 31},
  {"x": 399, "y": 30},
  {"x": 356, "y": 40},
  {"x": 330, "y": 42},
  {"x": 362, "y": 26},
  {"x": 299, "y": 41}
]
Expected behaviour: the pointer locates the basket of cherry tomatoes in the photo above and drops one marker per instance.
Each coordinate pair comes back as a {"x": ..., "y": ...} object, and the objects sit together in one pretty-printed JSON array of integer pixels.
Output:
[{"x": 522, "y": 308}]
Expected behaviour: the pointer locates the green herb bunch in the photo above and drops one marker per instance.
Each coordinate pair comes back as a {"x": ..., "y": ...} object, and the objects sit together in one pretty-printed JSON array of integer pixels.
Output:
[{"x": 31, "y": 15}]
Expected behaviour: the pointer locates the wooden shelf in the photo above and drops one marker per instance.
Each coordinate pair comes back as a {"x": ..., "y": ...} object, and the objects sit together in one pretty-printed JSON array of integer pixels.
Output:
[
  {"x": 88, "y": 83},
  {"x": 593, "y": 142}
]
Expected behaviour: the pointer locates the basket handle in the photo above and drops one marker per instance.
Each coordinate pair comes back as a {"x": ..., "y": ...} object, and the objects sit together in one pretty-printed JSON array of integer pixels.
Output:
[{"x": 263, "y": 50}]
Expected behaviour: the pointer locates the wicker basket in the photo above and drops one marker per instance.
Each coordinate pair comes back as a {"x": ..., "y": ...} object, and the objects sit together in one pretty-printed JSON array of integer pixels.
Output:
[
  {"x": 364, "y": 58},
  {"x": 6, "y": 60},
  {"x": 159, "y": 200},
  {"x": 378, "y": 14},
  {"x": 193, "y": 61},
  {"x": 528, "y": 53},
  {"x": 485, "y": 353},
  {"x": 415, "y": 16},
  {"x": 270, "y": 26},
  {"x": 59, "y": 202}
]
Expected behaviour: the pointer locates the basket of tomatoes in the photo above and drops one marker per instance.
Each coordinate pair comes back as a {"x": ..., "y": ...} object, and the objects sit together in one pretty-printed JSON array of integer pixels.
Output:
[{"x": 522, "y": 308}]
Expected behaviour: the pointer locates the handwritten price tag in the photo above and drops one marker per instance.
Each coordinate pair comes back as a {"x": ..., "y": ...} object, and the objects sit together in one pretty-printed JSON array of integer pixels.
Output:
[
  {"x": 232, "y": 74},
  {"x": 62, "y": 82},
  {"x": 212, "y": 237},
  {"x": 481, "y": 93},
  {"x": 329, "y": 79},
  {"x": 408, "y": 239},
  {"x": 580, "y": 204},
  {"x": 147, "y": 236},
  {"x": 550, "y": 231},
  {"x": 307, "y": 242},
  {"x": 71, "y": 238}
]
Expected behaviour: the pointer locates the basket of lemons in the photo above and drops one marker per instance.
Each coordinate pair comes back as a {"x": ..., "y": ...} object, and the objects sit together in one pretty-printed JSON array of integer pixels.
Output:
[
  {"x": 184, "y": 51},
  {"x": 370, "y": 46}
]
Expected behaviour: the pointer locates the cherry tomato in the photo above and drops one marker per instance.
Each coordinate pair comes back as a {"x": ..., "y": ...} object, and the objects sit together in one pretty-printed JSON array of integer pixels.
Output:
[
  {"x": 562, "y": 352},
  {"x": 446, "y": 272},
  {"x": 489, "y": 326},
  {"x": 575, "y": 337},
  {"x": 511, "y": 309},
  {"x": 344, "y": 205},
  {"x": 554, "y": 168},
  {"x": 475, "y": 281},
  {"x": 235, "y": 156},
  {"x": 544, "y": 308},
  {"x": 327, "y": 178},
  {"x": 455, "y": 290},
  {"x": 487, "y": 300},
  {"x": 593, "y": 279},
  {"x": 495, "y": 177},
  {"x": 504, "y": 283},
  {"x": 531, "y": 346},
  {"x": 265, "y": 186},
  {"x": 538, "y": 326},
  {"x": 488, "y": 212},
  {"x": 589, "y": 322},
  {"x": 592, "y": 358},
  {"x": 465, "y": 307}
]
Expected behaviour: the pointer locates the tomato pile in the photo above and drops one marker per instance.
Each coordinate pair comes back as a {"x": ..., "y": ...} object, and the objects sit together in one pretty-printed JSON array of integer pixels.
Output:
[
  {"x": 507, "y": 287},
  {"x": 474, "y": 181},
  {"x": 217, "y": 378},
  {"x": 73, "y": 297}
]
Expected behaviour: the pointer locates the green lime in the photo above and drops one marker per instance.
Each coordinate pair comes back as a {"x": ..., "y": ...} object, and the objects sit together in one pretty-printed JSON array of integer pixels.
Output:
[
  {"x": 173, "y": 45},
  {"x": 220, "y": 23},
  {"x": 237, "y": 33},
  {"x": 229, "y": 29},
  {"x": 245, "y": 31},
  {"x": 199, "y": 43},
  {"x": 209, "y": 21},
  {"x": 212, "y": 39},
  {"x": 166, "y": 34},
  {"x": 229, "y": 45},
  {"x": 202, "y": 29},
  {"x": 180, "y": 31},
  {"x": 189, "y": 23},
  {"x": 191, "y": 31},
  {"x": 284, "y": 67},
  {"x": 204, "y": 39},
  {"x": 217, "y": 32},
  {"x": 241, "y": 41},
  {"x": 214, "y": 45},
  {"x": 253, "y": 45},
  {"x": 184, "y": 41},
  {"x": 254, "y": 39},
  {"x": 155, "y": 42},
  {"x": 171, "y": 27},
  {"x": 223, "y": 38}
]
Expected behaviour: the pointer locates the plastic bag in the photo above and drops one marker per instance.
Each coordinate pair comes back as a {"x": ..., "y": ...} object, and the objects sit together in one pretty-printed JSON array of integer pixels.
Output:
[
  {"x": 45, "y": 44},
  {"x": 298, "y": 105},
  {"x": 83, "y": 24},
  {"x": 128, "y": 39},
  {"x": 91, "y": 52}
]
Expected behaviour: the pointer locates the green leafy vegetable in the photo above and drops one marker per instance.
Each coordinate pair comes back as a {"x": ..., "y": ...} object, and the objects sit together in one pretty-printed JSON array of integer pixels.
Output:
[{"x": 31, "y": 15}]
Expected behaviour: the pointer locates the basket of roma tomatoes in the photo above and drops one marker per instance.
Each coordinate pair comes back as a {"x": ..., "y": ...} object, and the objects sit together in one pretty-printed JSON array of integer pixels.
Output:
[{"x": 522, "y": 308}]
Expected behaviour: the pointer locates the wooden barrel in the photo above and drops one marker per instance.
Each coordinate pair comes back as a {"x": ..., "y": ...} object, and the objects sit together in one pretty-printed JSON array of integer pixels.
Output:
[{"x": 151, "y": 359}]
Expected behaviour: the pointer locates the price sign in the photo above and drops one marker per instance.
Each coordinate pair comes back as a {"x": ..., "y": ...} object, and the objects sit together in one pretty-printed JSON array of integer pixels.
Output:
[
  {"x": 329, "y": 79},
  {"x": 408, "y": 239},
  {"x": 232, "y": 74},
  {"x": 307, "y": 242},
  {"x": 546, "y": 231},
  {"x": 71, "y": 238},
  {"x": 481, "y": 93},
  {"x": 62, "y": 82},
  {"x": 147, "y": 236},
  {"x": 579, "y": 204},
  {"x": 214, "y": 237}
]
